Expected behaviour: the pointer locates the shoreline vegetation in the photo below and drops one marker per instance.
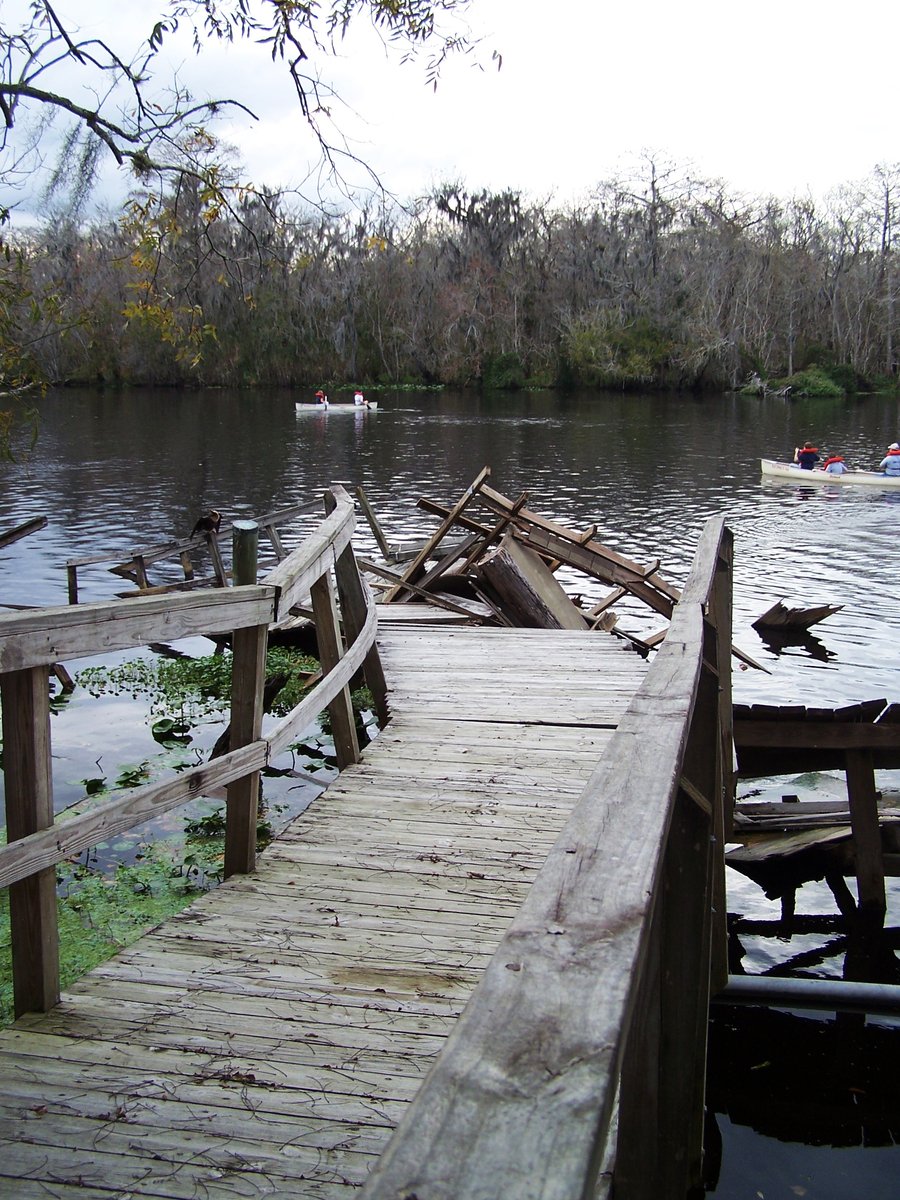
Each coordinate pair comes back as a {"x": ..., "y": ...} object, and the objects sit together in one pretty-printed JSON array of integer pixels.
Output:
[{"x": 656, "y": 282}]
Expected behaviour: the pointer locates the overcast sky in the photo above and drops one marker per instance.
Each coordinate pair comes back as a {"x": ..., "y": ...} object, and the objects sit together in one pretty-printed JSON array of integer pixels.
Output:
[{"x": 777, "y": 96}]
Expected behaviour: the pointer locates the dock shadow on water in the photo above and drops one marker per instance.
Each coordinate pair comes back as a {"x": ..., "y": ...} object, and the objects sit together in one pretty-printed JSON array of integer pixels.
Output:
[
  {"x": 781, "y": 1080},
  {"x": 805, "y": 1103}
]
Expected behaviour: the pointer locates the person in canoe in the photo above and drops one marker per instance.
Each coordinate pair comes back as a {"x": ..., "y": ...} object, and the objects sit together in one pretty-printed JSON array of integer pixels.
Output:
[
  {"x": 890, "y": 464},
  {"x": 834, "y": 464},
  {"x": 806, "y": 456},
  {"x": 321, "y": 399},
  {"x": 359, "y": 399}
]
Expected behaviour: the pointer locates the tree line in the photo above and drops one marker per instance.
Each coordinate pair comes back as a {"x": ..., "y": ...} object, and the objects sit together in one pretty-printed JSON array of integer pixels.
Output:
[{"x": 654, "y": 281}]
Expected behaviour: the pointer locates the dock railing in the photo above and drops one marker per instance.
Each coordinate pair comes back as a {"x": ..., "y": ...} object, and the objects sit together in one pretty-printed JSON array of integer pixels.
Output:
[
  {"x": 322, "y": 568},
  {"x": 579, "y": 1062}
]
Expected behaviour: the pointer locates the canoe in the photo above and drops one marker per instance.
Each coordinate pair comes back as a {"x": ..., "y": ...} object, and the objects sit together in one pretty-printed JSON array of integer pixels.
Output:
[
  {"x": 783, "y": 470},
  {"x": 300, "y": 406}
]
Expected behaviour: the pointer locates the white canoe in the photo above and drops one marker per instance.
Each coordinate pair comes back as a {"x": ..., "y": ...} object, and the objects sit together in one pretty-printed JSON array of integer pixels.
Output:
[
  {"x": 299, "y": 406},
  {"x": 783, "y": 470}
]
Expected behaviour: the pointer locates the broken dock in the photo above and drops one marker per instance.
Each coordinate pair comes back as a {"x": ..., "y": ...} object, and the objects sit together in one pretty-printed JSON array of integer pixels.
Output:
[
  {"x": 462, "y": 943},
  {"x": 480, "y": 964}
]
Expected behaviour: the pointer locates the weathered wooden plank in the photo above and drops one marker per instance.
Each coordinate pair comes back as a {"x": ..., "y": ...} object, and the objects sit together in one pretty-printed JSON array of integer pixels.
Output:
[
  {"x": 124, "y": 810},
  {"x": 29, "y": 639},
  {"x": 9, "y": 536}
]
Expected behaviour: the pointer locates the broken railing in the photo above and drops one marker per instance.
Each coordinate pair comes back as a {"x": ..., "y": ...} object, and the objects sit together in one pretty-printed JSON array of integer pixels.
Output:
[
  {"x": 322, "y": 569},
  {"x": 580, "y": 1057},
  {"x": 187, "y": 553}
]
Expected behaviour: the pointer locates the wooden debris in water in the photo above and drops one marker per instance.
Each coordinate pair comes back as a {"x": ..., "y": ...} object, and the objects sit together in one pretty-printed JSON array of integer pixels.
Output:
[
  {"x": 779, "y": 616},
  {"x": 471, "y": 568}
]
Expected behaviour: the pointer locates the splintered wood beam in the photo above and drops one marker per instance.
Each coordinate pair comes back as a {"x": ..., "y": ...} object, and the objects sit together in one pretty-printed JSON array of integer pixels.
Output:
[
  {"x": 557, "y": 542},
  {"x": 442, "y": 510},
  {"x": 495, "y": 534},
  {"x": 377, "y": 532},
  {"x": 527, "y": 589},
  {"x": 607, "y": 602},
  {"x": 452, "y": 557},
  {"x": 500, "y": 503},
  {"x": 430, "y": 597},
  {"x": 414, "y": 570}
]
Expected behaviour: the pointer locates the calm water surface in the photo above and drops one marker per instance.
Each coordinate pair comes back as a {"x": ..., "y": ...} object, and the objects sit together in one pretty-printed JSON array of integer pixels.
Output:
[{"x": 116, "y": 471}]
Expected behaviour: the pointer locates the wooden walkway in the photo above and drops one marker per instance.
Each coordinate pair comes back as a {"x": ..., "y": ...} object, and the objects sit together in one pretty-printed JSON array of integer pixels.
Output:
[{"x": 267, "y": 1040}]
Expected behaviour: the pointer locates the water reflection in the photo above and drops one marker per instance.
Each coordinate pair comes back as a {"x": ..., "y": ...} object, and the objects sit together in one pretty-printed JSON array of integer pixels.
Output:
[{"x": 786, "y": 641}]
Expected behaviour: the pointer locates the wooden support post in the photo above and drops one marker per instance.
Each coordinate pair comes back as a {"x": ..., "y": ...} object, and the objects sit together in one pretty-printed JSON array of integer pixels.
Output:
[
  {"x": 352, "y": 598},
  {"x": 684, "y": 996},
  {"x": 328, "y": 635},
  {"x": 29, "y": 808},
  {"x": 212, "y": 540},
  {"x": 186, "y": 565},
  {"x": 244, "y": 552},
  {"x": 866, "y": 831},
  {"x": 72, "y": 579},
  {"x": 277, "y": 544},
  {"x": 143, "y": 580},
  {"x": 637, "y": 1163},
  {"x": 248, "y": 679}
]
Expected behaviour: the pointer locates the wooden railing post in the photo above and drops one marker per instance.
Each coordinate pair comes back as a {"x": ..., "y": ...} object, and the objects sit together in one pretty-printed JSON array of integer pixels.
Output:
[
  {"x": 352, "y": 597},
  {"x": 248, "y": 679},
  {"x": 29, "y": 808},
  {"x": 328, "y": 636}
]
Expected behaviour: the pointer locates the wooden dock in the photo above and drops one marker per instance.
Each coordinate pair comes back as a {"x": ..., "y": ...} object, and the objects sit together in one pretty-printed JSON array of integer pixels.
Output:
[
  {"x": 267, "y": 1040},
  {"x": 480, "y": 963}
]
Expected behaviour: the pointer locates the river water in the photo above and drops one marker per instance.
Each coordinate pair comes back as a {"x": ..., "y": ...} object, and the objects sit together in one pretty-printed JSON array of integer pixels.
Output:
[{"x": 115, "y": 471}]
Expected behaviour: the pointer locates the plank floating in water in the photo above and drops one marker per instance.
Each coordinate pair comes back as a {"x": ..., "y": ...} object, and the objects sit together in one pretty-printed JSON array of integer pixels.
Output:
[{"x": 779, "y": 616}]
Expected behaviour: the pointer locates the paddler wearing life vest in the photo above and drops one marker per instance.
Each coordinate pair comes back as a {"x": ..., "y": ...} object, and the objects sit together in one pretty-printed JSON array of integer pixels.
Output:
[
  {"x": 890, "y": 464},
  {"x": 834, "y": 464},
  {"x": 806, "y": 456}
]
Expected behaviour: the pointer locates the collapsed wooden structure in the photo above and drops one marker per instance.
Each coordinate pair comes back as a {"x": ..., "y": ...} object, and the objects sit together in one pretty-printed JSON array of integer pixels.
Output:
[
  {"x": 789, "y": 843},
  {"x": 185, "y": 556},
  {"x": 211, "y": 1077},
  {"x": 503, "y": 570}
]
